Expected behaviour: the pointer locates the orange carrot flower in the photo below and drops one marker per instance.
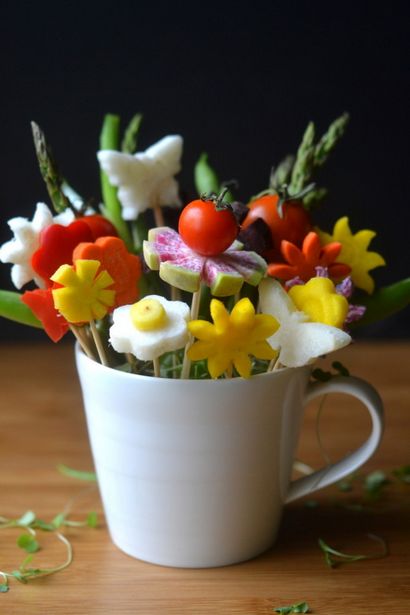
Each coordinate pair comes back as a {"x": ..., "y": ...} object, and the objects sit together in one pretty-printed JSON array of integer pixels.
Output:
[
  {"x": 124, "y": 268},
  {"x": 302, "y": 263}
]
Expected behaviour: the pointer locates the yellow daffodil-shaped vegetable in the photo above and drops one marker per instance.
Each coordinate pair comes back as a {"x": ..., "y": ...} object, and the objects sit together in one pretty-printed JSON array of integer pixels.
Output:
[
  {"x": 299, "y": 340},
  {"x": 319, "y": 300},
  {"x": 150, "y": 327},
  {"x": 232, "y": 338},
  {"x": 85, "y": 294},
  {"x": 354, "y": 252}
]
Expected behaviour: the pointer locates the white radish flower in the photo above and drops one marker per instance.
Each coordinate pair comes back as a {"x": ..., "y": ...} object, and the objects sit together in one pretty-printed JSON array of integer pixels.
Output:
[
  {"x": 26, "y": 241},
  {"x": 145, "y": 179},
  {"x": 298, "y": 340},
  {"x": 150, "y": 327}
]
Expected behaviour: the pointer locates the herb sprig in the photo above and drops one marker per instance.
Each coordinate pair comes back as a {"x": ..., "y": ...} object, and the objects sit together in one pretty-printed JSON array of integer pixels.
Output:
[
  {"x": 28, "y": 542},
  {"x": 334, "y": 558},
  {"x": 300, "y": 607}
]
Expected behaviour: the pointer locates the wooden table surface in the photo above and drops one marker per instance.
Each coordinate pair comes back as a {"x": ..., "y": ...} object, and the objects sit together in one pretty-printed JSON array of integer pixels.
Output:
[{"x": 42, "y": 425}]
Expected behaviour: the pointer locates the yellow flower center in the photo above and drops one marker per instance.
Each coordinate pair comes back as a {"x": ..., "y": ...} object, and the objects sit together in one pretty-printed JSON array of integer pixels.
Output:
[{"x": 148, "y": 315}]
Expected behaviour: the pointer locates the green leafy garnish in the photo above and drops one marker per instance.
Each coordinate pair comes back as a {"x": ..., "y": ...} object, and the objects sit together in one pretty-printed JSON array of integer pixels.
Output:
[
  {"x": 324, "y": 376},
  {"x": 300, "y": 607},
  {"x": 27, "y": 519},
  {"x": 374, "y": 483},
  {"x": 340, "y": 368},
  {"x": 311, "y": 503},
  {"x": 334, "y": 558},
  {"x": 28, "y": 543},
  {"x": 402, "y": 473},
  {"x": 321, "y": 375},
  {"x": 345, "y": 485},
  {"x": 72, "y": 473},
  {"x": 92, "y": 519},
  {"x": 24, "y": 573}
]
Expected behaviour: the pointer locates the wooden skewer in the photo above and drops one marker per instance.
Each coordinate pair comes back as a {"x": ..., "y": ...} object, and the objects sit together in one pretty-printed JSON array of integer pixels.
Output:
[{"x": 98, "y": 343}]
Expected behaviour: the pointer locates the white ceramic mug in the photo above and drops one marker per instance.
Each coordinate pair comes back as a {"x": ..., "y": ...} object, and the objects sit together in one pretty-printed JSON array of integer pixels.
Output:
[{"x": 195, "y": 473}]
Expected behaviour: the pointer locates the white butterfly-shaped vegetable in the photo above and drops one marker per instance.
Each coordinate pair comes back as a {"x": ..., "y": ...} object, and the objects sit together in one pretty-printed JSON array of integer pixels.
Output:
[
  {"x": 145, "y": 179},
  {"x": 26, "y": 241},
  {"x": 299, "y": 341}
]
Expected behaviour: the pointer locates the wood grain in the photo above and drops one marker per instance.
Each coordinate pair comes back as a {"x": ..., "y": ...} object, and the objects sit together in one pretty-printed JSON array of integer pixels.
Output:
[{"x": 42, "y": 424}]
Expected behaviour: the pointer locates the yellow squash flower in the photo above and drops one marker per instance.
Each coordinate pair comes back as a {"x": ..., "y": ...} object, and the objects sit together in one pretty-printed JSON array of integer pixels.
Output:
[
  {"x": 232, "y": 338},
  {"x": 354, "y": 252},
  {"x": 84, "y": 295},
  {"x": 319, "y": 300}
]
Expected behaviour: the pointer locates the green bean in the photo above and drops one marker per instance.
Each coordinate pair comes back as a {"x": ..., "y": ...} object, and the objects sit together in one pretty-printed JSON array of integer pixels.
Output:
[
  {"x": 385, "y": 302},
  {"x": 13, "y": 308}
]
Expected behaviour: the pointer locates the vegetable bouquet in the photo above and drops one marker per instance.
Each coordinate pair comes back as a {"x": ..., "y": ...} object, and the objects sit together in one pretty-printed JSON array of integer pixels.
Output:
[{"x": 232, "y": 289}]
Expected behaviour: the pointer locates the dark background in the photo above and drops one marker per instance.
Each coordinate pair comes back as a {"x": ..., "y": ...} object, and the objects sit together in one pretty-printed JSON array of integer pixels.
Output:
[{"x": 238, "y": 81}]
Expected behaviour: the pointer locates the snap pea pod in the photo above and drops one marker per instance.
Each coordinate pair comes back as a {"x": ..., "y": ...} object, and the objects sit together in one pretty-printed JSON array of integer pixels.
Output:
[
  {"x": 206, "y": 179},
  {"x": 385, "y": 302},
  {"x": 13, "y": 308},
  {"x": 109, "y": 139}
]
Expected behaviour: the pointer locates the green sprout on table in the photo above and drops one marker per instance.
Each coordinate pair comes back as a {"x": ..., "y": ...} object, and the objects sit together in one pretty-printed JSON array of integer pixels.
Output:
[
  {"x": 300, "y": 607},
  {"x": 29, "y": 543},
  {"x": 334, "y": 558},
  {"x": 78, "y": 474}
]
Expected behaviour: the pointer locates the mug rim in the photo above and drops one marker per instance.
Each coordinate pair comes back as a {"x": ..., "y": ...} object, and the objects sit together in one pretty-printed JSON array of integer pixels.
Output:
[{"x": 81, "y": 356}]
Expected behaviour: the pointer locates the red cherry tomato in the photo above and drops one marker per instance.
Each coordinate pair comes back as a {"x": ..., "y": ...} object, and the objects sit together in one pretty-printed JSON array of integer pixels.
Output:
[
  {"x": 99, "y": 226},
  {"x": 293, "y": 226},
  {"x": 205, "y": 229}
]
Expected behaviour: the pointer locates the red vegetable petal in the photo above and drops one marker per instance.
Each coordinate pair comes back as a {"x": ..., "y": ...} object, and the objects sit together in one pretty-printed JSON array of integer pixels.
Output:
[
  {"x": 57, "y": 243},
  {"x": 291, "y": 253},
  {"x": 311, "y": 248},
  {"x": 330, "y": 252},
  {"x": 337, "y": 271},
  {"x": 42, "y": 305},
  {"x": 282, "y": 271}
]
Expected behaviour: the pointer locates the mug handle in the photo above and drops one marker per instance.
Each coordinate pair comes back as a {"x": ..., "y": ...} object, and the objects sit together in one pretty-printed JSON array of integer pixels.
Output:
[{"x": 336, "y": 471}]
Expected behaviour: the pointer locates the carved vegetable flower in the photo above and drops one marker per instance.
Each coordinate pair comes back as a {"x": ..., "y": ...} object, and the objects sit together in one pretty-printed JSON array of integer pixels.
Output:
[
  {"x": 85, "y": 293},
  {"x": 123, "y": 267},
  {"x": 26, "y": 241},
  {"x": 183, "y": 268},
  {"x": 302, "y": 263},
  {"x": 145, "y": 179},
  {"x": 298, "y": 340},
  {"x": 320, "y": 301},
  {"x": 355, "y": 252},
  {"x": 150, "y": 327},
  {"x": 232, "y": 338},
  {"x": 57, "y": 243}
]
